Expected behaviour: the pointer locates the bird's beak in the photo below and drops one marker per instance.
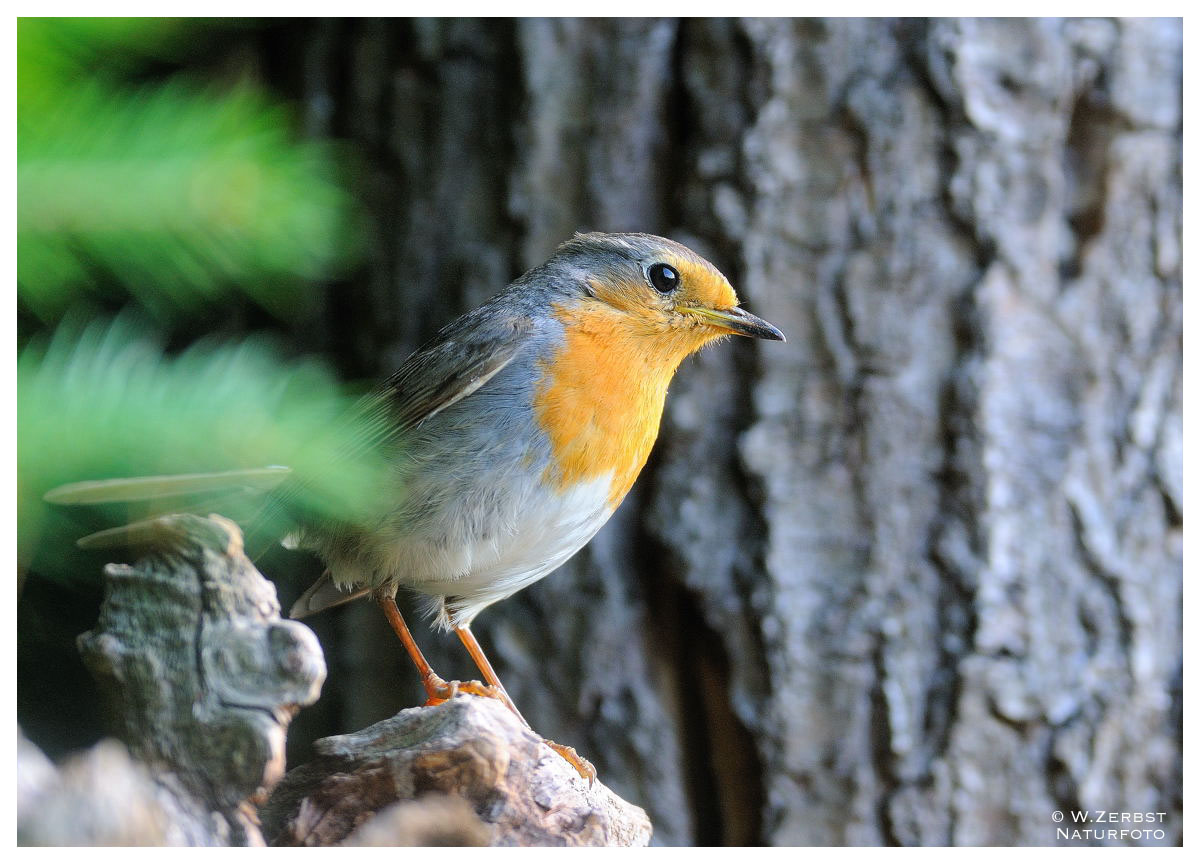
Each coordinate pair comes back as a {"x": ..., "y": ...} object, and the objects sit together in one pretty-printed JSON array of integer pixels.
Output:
[{"x": 736, "y": 320}]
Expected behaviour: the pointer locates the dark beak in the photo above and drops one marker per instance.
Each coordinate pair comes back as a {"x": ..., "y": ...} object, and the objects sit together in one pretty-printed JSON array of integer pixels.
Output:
[{"x": 737, "y": 320}]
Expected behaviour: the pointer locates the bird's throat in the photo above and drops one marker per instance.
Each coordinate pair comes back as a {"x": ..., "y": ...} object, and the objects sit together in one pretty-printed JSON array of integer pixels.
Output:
[{"x": 601, "y": 398}]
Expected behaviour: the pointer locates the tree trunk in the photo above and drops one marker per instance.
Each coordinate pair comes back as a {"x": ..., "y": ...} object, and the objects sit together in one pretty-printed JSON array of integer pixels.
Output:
[{"x": 913, "y": 577}]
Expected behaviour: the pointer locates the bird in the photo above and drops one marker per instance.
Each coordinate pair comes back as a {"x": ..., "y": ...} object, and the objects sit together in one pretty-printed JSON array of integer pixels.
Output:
[{"x": 516, "y": 432}]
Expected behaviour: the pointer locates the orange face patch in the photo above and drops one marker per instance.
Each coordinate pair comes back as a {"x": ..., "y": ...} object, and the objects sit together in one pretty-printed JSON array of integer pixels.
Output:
[
  {"x": 700, "y": 285},
  {"x": 602, "y": 393}
]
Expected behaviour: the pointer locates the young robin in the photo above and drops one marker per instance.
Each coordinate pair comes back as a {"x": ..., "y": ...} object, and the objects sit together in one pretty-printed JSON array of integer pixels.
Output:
[{"x": 518, "y": 430}]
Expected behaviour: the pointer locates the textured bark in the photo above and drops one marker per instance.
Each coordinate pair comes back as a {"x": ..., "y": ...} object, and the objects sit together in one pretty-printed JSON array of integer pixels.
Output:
[
  {"x": 914, "y": 577},
  {"x": 472, "y": 749},
  {"x": 202, "y": 677}
]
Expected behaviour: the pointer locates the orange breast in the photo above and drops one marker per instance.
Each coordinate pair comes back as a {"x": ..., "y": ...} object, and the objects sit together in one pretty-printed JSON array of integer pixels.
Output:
[{"x": 601, "y": 397}]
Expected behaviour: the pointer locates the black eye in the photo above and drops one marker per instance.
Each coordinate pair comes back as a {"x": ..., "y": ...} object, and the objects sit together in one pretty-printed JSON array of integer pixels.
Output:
[{"x": 664, "y": 278}]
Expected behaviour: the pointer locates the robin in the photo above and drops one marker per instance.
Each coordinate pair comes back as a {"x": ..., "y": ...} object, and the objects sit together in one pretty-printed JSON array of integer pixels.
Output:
[{"x": 518, "y": 431}]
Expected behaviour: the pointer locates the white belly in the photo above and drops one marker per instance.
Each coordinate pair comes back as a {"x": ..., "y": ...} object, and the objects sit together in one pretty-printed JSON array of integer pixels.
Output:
[{"x": 528, "y": 536}]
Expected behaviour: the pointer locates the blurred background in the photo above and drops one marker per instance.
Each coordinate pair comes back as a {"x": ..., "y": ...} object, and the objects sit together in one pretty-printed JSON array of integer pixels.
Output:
[{"x": 912, "y": 578}]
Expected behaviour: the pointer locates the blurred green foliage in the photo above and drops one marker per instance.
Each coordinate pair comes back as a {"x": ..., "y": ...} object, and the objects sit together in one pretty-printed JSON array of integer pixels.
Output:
[
  {"x": 171, "y": 194},
  {"x": 102, "y": 401},
  {"x": 172, "y": 191},
  {"x": 50, "y": 51}
]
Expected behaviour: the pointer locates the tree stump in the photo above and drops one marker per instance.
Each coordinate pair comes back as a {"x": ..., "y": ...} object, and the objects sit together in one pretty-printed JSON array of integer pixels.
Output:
[
  {"x": 97, "y": 798},
  {"x": 201, "y": 675}
]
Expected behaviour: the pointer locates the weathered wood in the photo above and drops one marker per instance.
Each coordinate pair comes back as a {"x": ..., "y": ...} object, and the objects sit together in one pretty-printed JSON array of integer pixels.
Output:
[
  {"x": 202, "y": 676},
  {"x": 100, "y": 797},
  {"x": 431, "y": 820},
  {"x": 520, "y": 792}
]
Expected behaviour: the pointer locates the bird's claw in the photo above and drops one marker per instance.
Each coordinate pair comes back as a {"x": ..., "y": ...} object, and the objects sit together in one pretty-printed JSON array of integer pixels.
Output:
[
  {"x": 440, "y": 690},
  {"x": 585, "y": 768}
]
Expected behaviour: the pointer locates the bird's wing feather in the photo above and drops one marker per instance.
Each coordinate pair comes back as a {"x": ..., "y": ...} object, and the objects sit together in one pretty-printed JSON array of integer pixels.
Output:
[{"x": 459, "y": 361}]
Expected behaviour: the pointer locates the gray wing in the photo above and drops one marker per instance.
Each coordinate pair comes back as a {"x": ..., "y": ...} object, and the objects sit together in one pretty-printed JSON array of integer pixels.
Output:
[{"x": 462, "y": 358}]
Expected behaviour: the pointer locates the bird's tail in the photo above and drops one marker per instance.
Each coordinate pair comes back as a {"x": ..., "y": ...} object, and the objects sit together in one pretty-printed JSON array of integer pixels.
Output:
[{"x": 323, "y": 594}]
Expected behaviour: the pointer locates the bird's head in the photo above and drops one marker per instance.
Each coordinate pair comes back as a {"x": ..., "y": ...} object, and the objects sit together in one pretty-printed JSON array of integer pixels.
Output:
[{"x": 661, "y": 296}]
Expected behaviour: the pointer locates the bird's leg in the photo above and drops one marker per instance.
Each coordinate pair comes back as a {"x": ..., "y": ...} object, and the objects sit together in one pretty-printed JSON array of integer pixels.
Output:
[
  {"x": 585, "y": 768},
  {"x": 437, "y": 688},
  {"x": 485, "y": 669}
]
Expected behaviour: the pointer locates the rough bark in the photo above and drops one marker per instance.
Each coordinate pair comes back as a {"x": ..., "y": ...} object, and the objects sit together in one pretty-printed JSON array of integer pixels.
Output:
[
  {"x": 519, "y": 791},
  {"x": 974, "y": 614},
  {"x": 914, "y": 577}
]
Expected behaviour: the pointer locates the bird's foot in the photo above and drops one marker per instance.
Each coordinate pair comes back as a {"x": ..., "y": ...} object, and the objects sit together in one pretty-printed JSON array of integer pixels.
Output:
[
  {"x": 585, "y": 768},
  {"x": 440, "y": 690}
]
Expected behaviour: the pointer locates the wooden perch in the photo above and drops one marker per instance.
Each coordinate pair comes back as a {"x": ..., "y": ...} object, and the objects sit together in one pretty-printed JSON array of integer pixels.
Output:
[
  {"x": 202, "y": 677},
  {"x": 519, "y": 791}
]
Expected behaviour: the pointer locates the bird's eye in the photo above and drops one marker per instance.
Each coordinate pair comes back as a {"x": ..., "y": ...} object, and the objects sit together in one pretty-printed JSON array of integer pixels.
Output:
[{"x": 664, "y": 278}]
